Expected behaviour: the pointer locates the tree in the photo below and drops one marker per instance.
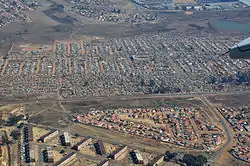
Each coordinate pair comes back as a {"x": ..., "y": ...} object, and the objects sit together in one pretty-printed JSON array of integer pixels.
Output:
[
  {"x": 62, "y": 151},
  {"x": 189, "y": 159},
  {"x": 76, "y": 135},
  {"x": 2, "y": 122},
  {"x": 12, "y": 121},
  {"x": 184, "y": 8},
  {"x": 15, "y": 134},
  {"x": 201, "y": 160},
  {"x": 192, "y": 160}
]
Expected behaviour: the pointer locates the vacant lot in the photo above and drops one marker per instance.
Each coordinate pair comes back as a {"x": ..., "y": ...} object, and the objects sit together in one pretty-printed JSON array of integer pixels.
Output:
[
  {"x": 84, "y": 162},
  {"x": 239, "y": 99},
  {"x": 112, "y": 103},
  {"x": 39, "y": 16},
  {"x": 52, "y": 118}
]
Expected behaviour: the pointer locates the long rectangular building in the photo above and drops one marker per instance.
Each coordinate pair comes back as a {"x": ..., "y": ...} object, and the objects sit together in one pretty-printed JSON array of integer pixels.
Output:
[
  {"x": 120, "y": 151},
  {"x": 29, "y": 153},
  {"x": 137, "y": 157},
  {"x": 66, "y": 159},
  {"x": 48, "y": 136},
  {"x": 82, "y": 144},
  {"x": 27, "y": 133}
]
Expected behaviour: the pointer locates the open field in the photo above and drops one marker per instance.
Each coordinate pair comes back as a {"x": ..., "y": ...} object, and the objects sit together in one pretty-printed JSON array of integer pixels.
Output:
[
  {"x": 39, "y": 16},
  {"x": 38, "y": 132},
  {"x": 52, "y": 118},
  {"x": 231, "y": 100},
  {"x": 84, "y": 106},
  {"x": 36, "y": 108},
  {"x": 57, "y": 155},
  {"x": 88, "y": 151},
  {"x": 138, "y": 120},
  {"x": 84, "y": 162}
]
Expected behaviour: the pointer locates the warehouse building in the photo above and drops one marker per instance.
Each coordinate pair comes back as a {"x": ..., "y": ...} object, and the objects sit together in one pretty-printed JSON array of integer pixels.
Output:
[
  {"x": 137, "y": 157},
  {"x": 82, "y": 144},
  {"x": 119, "y": 152},
  {"x": 48, "y": 136},
  {"x": 104, "y": 163},
  {"x": 65, "y": 139},
  {"x": 100, "y": 149},
  {"x": 66, "y": 159}
]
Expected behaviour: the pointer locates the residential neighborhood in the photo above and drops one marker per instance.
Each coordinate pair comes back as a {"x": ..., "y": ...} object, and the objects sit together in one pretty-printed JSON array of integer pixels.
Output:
[{"x": 185, "y": 127}]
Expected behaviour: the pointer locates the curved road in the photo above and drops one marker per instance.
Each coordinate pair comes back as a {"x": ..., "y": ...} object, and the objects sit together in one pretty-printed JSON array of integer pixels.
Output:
[{"x": 223, "y": 122}]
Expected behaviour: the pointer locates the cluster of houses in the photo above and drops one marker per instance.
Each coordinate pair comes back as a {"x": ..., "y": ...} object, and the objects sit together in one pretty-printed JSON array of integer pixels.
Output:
[
  {"x": 181, "y": 126},
  {"x": 12, "y": 11},
  {"x": 236, "y": 117},
  {"x": 241, "y": 150}
]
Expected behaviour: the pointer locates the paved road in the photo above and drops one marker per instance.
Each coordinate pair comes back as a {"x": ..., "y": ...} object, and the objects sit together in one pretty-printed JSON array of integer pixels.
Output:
[{"x": 223, "y": 122}]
